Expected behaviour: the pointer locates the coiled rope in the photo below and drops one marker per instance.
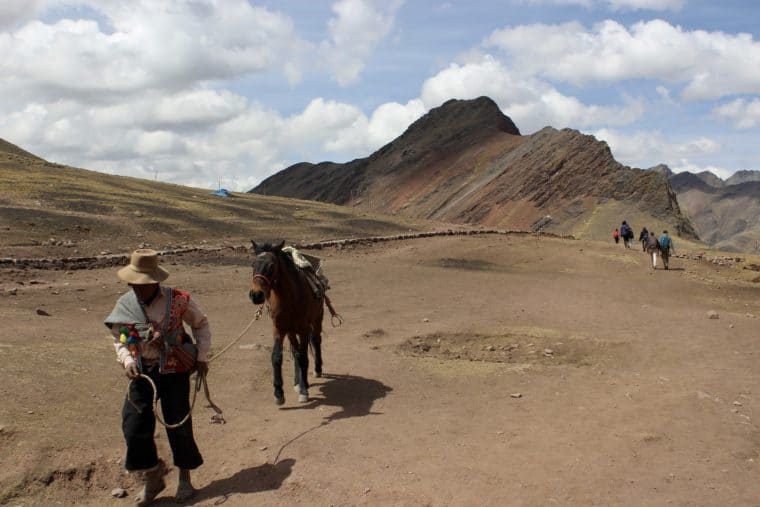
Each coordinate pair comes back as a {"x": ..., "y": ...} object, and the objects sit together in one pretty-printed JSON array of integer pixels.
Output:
[{"x": 200, "y": 381}]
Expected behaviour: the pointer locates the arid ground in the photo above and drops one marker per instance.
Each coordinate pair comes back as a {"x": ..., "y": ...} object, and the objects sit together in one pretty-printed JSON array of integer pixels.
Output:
[{"x": 483, "y": 370}]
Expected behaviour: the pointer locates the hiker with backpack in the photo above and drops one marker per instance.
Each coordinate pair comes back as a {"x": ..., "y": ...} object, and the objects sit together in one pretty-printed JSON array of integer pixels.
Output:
[
  {"x": 626, "y": 233},
  {"x": 616, "y": 236},
  {"x": 653, "y": 248},
  {"x": 666, "y": 247},
  {"x": 643, "y": 237}
]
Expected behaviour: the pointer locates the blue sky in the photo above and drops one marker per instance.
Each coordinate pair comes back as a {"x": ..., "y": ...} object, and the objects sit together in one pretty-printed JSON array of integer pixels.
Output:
[{"x": 227, "y": 92}]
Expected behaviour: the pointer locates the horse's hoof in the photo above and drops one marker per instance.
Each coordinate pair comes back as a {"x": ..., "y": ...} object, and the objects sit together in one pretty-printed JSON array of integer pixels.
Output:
[
  {"x": 280, "y": 400},
  {"x": 303, "y": 398}
]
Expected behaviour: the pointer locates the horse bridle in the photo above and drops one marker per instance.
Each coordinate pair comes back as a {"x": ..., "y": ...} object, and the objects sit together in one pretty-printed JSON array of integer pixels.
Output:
[
  {"x": 270, "y": 283},
  {"x": 266, "y": 280}
]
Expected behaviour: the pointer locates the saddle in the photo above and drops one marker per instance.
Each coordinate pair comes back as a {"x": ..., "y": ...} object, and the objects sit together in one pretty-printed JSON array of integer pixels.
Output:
[{"x": 312, "y": 267}]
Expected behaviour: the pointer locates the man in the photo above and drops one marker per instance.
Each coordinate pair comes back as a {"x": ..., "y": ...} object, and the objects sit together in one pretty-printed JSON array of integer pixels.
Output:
[
  {"x": 653, "y": 247},
  {"x": 626, "y": 233},
  {"x": 643, "y": 238},
  {"x": 147, "y": 326},
  {"x": 666, "y": 246}
]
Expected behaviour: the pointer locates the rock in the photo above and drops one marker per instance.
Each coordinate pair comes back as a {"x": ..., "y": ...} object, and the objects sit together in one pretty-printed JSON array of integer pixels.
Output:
[
  {"x": 712, "y": 314},
  {"x": 490, "y": 348},
  {"x": 516, "y": 395},
  {"x": 42, "y": 312},
  {"x": 264, "y": 448},
  {"x": 13, "y": 291},
  {"x": 118, "y": 492},
  {"x": 425, "y": 320}
]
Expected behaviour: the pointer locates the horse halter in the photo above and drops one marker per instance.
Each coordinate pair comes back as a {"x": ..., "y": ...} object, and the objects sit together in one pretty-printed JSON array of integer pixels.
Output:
[
  {"x": 270, "y": 282},
  {"x": 266, "y": 280}
]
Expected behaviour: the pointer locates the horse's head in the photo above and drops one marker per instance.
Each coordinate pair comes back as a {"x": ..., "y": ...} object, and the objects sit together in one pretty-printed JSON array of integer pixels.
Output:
[{"x": 265, "y": 271}]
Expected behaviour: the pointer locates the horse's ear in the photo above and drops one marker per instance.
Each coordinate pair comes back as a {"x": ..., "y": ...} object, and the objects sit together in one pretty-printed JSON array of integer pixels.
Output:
[
  {"x": 254, "y": 246},
  {"x": 279, "y": 245}
]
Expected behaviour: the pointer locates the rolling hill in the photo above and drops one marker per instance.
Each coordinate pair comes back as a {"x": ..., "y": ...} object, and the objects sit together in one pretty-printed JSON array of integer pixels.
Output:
[{"x": 58, "y": 211}]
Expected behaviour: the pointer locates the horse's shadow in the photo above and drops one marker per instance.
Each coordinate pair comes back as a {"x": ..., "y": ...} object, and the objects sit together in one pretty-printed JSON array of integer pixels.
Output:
[
  {"x": 353, "y": 394},
  {"x": 255, "y": 479}
]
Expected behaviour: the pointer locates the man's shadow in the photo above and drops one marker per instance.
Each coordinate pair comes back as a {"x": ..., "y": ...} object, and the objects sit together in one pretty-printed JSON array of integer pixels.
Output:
[
  {"x": 355, "y": 397},
  {"x": 255, "y": 479},
  {"x": 352, "y": 394}
]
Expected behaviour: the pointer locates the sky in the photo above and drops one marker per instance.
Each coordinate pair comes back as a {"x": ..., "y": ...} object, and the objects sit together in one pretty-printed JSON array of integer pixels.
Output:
[{"x": 223, "y": 93}]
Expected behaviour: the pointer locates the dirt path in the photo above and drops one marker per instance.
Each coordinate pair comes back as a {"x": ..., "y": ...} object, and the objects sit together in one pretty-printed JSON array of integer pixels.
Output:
[{"x": 628, "y": 393}]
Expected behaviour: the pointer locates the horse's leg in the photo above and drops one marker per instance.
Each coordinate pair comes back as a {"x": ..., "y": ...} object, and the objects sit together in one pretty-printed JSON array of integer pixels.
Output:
[
  {"x": 315, "y": 340},
  {"x": 300, "y": 365},
  {"x": 303, "y": 364},
  {"x": 296, "y": 369},
  {"x": 279, "y": 395}
]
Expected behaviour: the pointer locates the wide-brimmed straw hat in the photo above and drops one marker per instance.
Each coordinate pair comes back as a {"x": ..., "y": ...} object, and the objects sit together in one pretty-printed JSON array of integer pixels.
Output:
[{"x": 143, "y": 268}]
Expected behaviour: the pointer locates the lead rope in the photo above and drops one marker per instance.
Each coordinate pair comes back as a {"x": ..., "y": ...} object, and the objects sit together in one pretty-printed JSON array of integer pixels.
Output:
[
  {"x": 335, "y": 318},
  {"x": 200, "y": 380}
]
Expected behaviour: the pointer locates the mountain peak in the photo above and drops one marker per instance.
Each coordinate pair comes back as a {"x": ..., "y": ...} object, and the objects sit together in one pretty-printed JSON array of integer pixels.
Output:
[
  {"x": 466, "y": 162},
  {"x": 464, "y": 116}
]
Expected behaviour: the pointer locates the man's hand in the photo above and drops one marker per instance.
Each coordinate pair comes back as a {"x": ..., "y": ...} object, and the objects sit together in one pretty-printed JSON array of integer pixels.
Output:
[
  {"x": 202, "y": 368},
  {"x": 132, "y": 371}
]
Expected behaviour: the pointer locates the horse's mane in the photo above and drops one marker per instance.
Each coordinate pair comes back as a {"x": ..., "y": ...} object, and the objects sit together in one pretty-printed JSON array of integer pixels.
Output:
[{"x": 286, "y": 258}]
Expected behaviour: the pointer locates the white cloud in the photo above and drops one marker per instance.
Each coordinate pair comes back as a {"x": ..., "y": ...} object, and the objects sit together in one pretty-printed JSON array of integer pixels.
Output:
[
  {"x": 532, "y": 104},
  {"x": 582, "y": 3},
  {"x": 158, "y": 143},
  {"x": 709, "y": 64},
  {"x": 615, "y": 5},
  {"x": 146, "y": 46},
  {"x": 15, "y": 11},
  {"x": 355, "y": 31},
  {"x": 664, "y": 93},
  {"x": 387, "y": 122},
  {"x": 645, "y": 149},
  {"x": 743, "y": 113},
  {"x": 654, "y": 5}
]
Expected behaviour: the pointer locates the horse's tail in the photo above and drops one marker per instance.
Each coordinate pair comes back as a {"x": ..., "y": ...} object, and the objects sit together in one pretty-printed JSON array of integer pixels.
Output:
[{"x": 335, "y": 318}]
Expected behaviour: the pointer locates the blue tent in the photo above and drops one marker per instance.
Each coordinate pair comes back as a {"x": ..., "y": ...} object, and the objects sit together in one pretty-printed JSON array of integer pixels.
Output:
[{"x": 222, "y": 192}]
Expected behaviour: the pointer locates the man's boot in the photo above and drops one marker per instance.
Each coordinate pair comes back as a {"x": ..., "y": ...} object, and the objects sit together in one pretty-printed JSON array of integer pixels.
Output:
[
  {"x": 185, "y": 489},
  {"x": 151, "y": 482}
]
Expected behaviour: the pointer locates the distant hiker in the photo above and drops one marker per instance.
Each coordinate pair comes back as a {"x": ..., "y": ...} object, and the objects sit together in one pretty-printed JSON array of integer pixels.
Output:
[
  {"x": 626, "y": 233},
  {"x": 616, "y": 236},
  {"x": 653, "y": 248},
  {"x": 147, "y": 324},
  {"x": 643, "y": 237},
  {"x": 666, "y": 247}
]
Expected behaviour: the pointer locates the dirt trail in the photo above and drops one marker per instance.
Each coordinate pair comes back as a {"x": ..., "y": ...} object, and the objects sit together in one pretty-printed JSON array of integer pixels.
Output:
[{"x": 469, "y": 371}]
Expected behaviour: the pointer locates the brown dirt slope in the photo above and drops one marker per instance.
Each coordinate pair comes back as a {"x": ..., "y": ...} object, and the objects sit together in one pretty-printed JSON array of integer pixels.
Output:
[
  {"x": 52, "y": 210},
  {"x": 499, "y": 370}
]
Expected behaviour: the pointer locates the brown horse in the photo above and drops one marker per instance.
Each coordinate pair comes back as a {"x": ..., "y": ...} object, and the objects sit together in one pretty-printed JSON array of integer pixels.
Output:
[{"x": 296, "y": 311}]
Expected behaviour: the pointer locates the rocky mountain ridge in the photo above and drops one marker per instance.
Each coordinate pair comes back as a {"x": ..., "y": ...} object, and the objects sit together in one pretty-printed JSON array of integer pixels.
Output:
[
  {"x": 725, "y": 213},
  {"x": 466, "y": 162}
]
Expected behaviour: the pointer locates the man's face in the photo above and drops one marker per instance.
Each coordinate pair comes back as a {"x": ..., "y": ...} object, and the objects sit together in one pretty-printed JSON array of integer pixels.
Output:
[{"x": 144, "y": 292}]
